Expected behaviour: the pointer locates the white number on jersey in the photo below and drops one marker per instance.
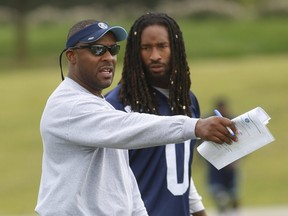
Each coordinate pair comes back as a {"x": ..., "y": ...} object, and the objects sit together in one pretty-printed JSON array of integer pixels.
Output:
[{"x": 173, "y": 186}]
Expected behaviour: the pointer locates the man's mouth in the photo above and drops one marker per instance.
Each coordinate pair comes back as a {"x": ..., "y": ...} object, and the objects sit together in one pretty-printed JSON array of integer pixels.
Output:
[
  {"x": 106, "y": 69},
  {"x": 156, "y": 68}
]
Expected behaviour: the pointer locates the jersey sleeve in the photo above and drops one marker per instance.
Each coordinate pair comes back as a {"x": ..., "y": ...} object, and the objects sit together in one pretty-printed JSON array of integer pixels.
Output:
[{"x": 195, "y": 200}]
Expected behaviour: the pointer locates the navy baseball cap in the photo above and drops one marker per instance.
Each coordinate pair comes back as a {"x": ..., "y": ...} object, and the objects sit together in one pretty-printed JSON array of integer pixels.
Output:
[
  {"x": 94, "y": 32},
  {"x": 90, "y": 34}
]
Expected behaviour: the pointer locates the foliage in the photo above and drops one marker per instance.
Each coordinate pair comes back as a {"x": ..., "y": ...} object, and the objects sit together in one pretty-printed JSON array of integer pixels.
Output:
[
  {"x": 208, "y": 10},
  {"x": 207, "y": 39},
  {"x": 28, "y": 5}
]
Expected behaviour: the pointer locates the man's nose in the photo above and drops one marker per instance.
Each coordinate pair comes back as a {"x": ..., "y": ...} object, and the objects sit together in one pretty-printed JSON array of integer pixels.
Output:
[
  {"x": 155, "y": 55},
  {"x": 107, "y": 56}
]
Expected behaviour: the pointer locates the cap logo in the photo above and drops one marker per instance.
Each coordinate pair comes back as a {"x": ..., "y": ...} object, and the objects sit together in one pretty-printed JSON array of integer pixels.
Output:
[{"x": 102, "y": 25}]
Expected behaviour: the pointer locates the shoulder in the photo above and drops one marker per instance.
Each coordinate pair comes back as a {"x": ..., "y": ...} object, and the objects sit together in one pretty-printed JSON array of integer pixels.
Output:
[
  {"x": 113, "y": 98},
  {"x": 114, "y": 91},
  {"x": 193, "y": 96},
  {"x": 194, "y": 105}
]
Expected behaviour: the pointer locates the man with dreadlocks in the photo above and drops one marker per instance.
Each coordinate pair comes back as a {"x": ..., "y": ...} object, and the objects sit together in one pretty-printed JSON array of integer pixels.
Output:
[{"x": 156, "y": 79}]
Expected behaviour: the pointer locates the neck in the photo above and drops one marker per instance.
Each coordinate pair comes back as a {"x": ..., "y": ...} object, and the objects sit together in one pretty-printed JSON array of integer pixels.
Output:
[{"x": 97, "y": 93}]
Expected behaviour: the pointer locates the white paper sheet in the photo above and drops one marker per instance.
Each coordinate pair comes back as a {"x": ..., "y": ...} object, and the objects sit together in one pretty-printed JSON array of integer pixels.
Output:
[{"x": 253, "y": 134}]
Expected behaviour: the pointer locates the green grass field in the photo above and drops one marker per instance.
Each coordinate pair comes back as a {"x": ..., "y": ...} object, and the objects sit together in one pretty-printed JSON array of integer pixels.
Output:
[
  {"x": 247, "y": 80},
  {"x": 250, "y": 82}
]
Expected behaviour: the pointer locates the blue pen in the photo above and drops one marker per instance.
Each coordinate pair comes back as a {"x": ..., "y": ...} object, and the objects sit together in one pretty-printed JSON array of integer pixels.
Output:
[{"x": 217, "y": 113}]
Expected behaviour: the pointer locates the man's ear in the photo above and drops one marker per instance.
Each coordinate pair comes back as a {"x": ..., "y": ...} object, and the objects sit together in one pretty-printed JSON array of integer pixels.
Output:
[{"x": 71, "y": 56}]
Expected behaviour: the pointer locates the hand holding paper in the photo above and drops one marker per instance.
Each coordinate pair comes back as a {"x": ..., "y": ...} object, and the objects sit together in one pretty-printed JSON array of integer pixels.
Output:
[{"x": 252, "y": 135}]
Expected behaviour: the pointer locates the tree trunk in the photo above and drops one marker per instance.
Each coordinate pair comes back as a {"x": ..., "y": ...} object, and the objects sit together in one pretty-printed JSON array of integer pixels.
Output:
[{"x": 21, "y": 43}]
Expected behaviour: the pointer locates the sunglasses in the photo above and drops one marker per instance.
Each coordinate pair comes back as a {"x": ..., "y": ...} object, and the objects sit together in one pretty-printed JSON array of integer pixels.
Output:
[
  {"x": 99, "y": 50},
  {"x": 96, "y": 49}
]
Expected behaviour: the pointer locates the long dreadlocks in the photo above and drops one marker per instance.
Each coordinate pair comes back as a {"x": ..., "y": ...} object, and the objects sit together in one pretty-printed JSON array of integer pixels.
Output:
[{"x": 136, "y": 91}]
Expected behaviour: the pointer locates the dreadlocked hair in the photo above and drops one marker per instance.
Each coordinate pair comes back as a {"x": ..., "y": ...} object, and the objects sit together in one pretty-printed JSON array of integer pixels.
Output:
[{"x": 135, "y": 90}]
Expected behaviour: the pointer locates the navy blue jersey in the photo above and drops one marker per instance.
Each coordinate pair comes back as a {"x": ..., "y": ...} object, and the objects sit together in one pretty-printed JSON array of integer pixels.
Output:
[{"x": 163, "y": 173}]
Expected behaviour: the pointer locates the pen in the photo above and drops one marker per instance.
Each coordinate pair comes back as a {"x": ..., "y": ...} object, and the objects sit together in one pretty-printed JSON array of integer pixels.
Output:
[{"x": 217, "y": 113}]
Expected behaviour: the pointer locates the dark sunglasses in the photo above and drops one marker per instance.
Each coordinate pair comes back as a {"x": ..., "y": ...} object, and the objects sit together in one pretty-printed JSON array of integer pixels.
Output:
[
  {"x": 99, "y": 50},
  {"x": 96, "y": 49}
]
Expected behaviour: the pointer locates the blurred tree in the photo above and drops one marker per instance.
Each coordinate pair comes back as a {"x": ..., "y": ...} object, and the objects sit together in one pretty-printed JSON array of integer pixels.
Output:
[
  {"x": 247, "y": 2},
  {"x": 22, "y": 7}
]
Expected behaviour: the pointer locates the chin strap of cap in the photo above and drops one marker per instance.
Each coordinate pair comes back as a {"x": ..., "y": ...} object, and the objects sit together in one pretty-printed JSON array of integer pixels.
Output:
[{"x": 60, "y": 63}]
